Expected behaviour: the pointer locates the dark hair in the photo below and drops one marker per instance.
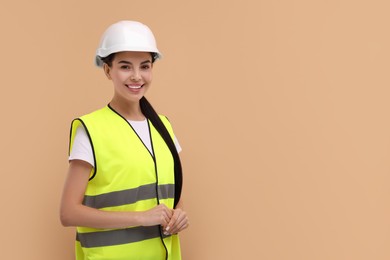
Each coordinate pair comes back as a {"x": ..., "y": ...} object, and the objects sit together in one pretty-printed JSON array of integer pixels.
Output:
[
  {"x": 151, "y": 114},
  {"x": 108, "y": 60}
]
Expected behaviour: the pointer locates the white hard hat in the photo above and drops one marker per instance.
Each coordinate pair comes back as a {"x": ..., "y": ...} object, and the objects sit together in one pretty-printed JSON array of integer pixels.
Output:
[{"x": 126, "y": 36}]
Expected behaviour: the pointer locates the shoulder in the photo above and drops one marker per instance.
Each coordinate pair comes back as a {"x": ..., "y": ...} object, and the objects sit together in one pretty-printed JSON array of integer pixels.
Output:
[
  {"x": 167, "y": 124},
  {"x": 88, "y": 120},
  {"x": 97, "y": 113},
  {"x": 104, "y": 117},
  {"x": 165, "y": 120}
]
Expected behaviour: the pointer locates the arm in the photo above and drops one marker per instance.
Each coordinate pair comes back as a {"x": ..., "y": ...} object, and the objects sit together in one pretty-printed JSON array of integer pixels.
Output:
[{"x": 74, "y": 213}]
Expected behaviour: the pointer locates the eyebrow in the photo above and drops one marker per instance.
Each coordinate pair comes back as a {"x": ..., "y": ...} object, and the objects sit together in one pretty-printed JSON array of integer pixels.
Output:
[{"x": 128, "y": 62}]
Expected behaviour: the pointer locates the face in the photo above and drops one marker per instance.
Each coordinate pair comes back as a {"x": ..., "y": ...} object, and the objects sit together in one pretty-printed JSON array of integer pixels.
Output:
[{"x": 131, "y": 74}]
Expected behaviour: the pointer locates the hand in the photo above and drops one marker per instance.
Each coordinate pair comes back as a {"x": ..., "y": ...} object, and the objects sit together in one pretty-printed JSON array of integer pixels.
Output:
[
  {"x": 159, "y": 215},
  {"x": 179, "y": 221}
]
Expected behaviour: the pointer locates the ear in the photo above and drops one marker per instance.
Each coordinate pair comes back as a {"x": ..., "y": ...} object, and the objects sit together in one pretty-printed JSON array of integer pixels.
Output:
[{"x": 107, "y": 70}]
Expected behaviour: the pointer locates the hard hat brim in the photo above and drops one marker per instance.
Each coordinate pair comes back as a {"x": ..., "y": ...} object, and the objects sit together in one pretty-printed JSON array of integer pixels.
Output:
[{"x": 105, "y": 53}]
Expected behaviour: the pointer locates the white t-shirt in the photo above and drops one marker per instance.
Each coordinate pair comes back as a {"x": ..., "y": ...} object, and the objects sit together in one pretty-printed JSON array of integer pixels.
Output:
[{"x": 82, "y": 149}]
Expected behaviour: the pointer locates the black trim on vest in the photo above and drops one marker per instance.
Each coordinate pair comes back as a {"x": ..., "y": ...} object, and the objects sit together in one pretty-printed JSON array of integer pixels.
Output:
[
  {"x": 155, "y": 168},
  {"x": 90, "y": 141}
]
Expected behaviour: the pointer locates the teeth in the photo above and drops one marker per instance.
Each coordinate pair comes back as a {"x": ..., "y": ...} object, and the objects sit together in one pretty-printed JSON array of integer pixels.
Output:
[{"x": 134, "y": 87}]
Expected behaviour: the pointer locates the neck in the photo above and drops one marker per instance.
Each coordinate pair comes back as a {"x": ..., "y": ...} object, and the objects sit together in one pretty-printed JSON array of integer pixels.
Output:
[{"x": 130, "y": 111}]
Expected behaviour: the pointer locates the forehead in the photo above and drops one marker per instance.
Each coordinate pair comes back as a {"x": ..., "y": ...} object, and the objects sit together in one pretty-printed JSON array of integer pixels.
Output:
[{"x": 133, "y": 55}]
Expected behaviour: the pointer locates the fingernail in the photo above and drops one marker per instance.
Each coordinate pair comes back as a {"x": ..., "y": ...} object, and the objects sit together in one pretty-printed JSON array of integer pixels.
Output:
[{"x": 167, "y": 229}]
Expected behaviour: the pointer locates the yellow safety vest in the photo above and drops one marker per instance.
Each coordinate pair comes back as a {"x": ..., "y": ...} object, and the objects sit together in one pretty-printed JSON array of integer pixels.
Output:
[{"x": 126, "y": 177}]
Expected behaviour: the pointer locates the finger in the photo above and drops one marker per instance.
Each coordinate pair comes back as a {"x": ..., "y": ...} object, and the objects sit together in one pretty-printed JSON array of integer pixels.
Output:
[
  {"x": 180, "y": 224},
  {"x": 167, "y": 210},
  {"x": 167, "y": 218},
  {"x": 164, "y": 214},
  {"x": 172, "y": 223},
  {"x": 185, "y": 225}
]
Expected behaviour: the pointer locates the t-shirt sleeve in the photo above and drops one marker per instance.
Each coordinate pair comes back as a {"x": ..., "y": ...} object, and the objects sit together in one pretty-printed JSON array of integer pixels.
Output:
[
  {"x": 82, "y": 149},
  {"x": 177, "y": 144}
]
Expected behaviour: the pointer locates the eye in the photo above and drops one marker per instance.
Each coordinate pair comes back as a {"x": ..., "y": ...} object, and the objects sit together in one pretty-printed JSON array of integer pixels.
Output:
[
  {"x": 145, "y": 67},
  {"x": 125, "y": 67}
]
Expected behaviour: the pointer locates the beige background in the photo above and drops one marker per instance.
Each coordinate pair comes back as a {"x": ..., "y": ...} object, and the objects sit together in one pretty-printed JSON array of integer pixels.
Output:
[{"x": 282, "y": 108}]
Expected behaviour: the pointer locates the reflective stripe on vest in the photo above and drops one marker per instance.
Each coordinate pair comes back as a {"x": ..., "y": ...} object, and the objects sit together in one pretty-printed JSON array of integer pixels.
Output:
[{"x": 126, "y": 177}]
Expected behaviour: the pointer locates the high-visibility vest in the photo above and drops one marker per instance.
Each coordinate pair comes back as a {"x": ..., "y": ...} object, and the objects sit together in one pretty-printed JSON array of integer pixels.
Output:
[{"x": 126, "y": 177}]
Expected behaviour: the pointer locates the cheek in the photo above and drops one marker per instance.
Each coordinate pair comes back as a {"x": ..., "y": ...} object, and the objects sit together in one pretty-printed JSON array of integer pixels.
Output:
[
  {"x": 148, "y": 77},
  {"x": 120, "y": 77}
]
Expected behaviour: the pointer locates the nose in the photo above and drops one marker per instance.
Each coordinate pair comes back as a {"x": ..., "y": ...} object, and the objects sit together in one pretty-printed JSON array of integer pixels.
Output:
[{"x": 136, "y": 75}]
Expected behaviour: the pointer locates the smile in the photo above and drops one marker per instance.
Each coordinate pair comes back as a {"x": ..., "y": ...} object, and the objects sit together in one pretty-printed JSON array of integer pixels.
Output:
[{"x": 134, "y": 86}]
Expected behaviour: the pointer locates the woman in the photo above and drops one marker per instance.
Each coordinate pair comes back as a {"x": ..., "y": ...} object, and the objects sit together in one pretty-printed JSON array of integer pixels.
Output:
[{"x": 124, "y": 179}]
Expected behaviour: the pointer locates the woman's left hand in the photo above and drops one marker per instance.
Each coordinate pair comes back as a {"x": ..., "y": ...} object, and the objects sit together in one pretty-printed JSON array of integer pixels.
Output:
[{"x": 179, "y": 221}]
